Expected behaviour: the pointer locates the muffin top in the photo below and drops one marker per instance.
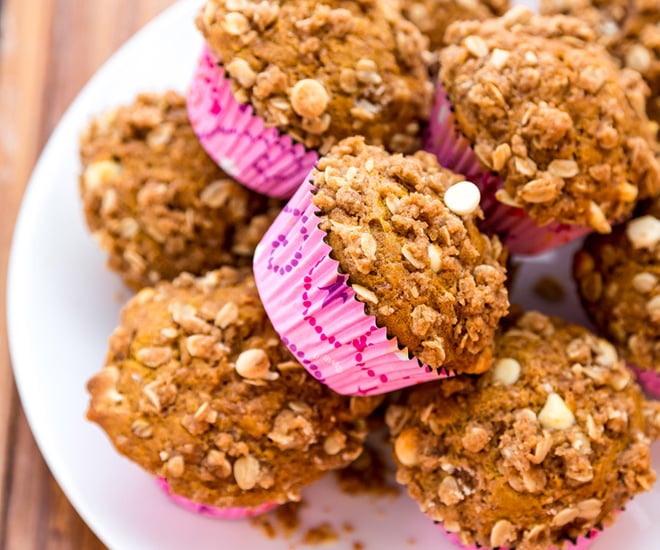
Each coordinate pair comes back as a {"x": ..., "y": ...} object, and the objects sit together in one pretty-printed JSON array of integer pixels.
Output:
[
  {"x": 618, "y": 279},
  {"x": 197, "y": 388},
  {"x": 547, "y": 109},
  {"x": 154, "y": 200},
  {"x": 432, "y": 17},
  {"x": 321, "y": 72},
  {"x": 407, "y": 238},
  {"x": 628, "y": 28},
  {"x": 546, "y": 445}
]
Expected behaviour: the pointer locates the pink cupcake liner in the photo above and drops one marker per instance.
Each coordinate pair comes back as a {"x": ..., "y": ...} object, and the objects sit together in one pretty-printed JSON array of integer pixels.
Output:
[
  {"x": 213, "y": 511},
  {"x": 317, "y": 315},
  {"x": 648, "y": 379},
  {"x": 260, "y": 158},
  {"x": 581, "y": 543},
  {"x": 516, "y": 229}
]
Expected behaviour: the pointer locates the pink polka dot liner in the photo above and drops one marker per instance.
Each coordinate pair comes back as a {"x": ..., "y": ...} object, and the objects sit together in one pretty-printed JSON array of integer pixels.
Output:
[
  {"x": 581, "y": 543},
  {"x": 316, "y": 313},
  {"x": 212, "y": 511},
  {"x": 516, "y": 229},
  {"x": 233, "y": 136}
]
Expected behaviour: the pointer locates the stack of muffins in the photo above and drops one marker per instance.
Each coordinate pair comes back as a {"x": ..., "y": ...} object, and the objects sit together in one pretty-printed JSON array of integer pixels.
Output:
[{"x": 264, "y": 333}]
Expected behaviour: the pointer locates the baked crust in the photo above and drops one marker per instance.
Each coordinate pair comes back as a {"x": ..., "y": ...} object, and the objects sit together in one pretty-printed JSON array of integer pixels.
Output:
[
  {"x": 618, "y": 280},
  {"x": 533, "y": 456},
  {"x": 547, "y": 109},
  {"x": 320, "y": 73},
  {"x": 426, "y": 273},
  {"x": 155, "y": 201},
  {"x": 197, "y": 388}
]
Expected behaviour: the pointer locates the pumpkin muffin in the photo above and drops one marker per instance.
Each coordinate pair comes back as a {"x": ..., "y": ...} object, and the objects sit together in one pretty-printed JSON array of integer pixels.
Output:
[
  {"x": 545, "y": 447},
  {"x": 322, "y": 72},
  {"x": 618, "y": 279},
  {"x": 547, "y": 111},
  {"x": 154, "y": 200},
  {"x": 198, "y": 390},
  {"x": 394, "y": 237}
]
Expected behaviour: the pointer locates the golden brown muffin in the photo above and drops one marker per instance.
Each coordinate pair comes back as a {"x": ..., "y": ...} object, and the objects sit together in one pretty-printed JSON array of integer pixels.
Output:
[
  {"x": 546, "y": 445},
  {"x": 197, "y": 388},
  {"x": 618, "y": 279},
  {"x": 425, "y": 271},
  {"x": 432, "y": 17},
  {"x": 322, "y": 72},
  {"x": 547, "y": 109},
  {"x": 630, "y": 29},
  {"x": 154, "y": 200}
]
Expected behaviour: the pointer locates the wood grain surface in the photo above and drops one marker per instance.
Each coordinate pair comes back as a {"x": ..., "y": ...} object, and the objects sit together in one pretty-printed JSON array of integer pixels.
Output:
[{"x": 48, "y": 50}]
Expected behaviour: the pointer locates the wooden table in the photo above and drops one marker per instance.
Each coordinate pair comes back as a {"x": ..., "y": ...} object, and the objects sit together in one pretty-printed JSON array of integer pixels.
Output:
[{"x": 48, "y": 50}]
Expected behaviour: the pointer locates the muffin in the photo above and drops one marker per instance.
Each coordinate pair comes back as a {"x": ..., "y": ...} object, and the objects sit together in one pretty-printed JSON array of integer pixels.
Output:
[
  {"x": 432, "y": 17},
  {"x": 284, "y": 79},
  {"x": 199, "y": 391},
  {"x": 376, "y": 276},
  {"x": 540, "y": 451},
  {"x": 618, "y": 280},
  {"x": 154, "y": 200},
  {"x": 545, "y": 122},
  {"x": 629, "y": 29}
]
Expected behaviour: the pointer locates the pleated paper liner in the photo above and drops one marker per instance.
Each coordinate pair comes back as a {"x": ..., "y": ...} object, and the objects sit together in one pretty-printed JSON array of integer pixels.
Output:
[
  {"x": 258, "y": 157},
  {"x": 581, "y": 543},
  {"x": 648, "y": 379},
  {"x": 316, "y": 313},
  {"x": 516, "y": 229},
  {"x": 236, "y": 512}
]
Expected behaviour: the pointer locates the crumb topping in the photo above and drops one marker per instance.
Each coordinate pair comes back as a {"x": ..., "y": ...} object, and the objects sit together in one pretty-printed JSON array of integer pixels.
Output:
[
  {"x": 492, "y": 462},
  {"x": 321, "y": 72},
  {"x": 156, "y": 203},
  {"x": 629, "y": 29},
  {"x": 424, "y": 271},
  {"x": 432, "y": 17},
  {"x": 547, "y": 109},
  {"x": 214, "y": 402},
  {"x": 618, "y": 279}
]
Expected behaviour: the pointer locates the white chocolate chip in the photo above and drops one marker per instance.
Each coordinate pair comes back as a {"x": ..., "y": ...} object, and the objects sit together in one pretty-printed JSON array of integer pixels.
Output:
[
  {"x": 309, "y": 98},
  {"x": 506, "y": 371},
  {"x": 644, "y": 232},
  {"x": 405, "y": 447},
  {"x": 463, "y": 198},
  {"x": 555, "y": 414}
]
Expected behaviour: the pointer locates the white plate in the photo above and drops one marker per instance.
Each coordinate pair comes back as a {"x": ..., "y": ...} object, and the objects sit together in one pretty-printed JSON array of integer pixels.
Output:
[{"x": 63, "y": 304}]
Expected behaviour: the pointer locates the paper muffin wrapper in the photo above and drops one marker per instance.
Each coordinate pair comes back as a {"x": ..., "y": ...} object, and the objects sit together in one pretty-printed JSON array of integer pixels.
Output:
[
  {"x": 516, "y": 229},
  {"x": 233, "y": 136},
  {"x": 236, "y": 512},
  {"x": 649, "y": 380},
  {"x": 317, "y": 315},
  {"x": 581, "y": 543}
]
